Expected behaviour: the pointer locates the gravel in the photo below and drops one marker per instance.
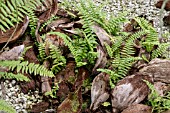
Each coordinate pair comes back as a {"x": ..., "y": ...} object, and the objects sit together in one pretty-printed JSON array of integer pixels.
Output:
[{"x": 21, "y": 101}]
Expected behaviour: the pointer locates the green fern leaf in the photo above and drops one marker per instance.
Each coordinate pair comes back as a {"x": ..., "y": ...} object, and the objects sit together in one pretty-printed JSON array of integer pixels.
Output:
[
  {"x": 18, "y": 77},
  {"x": 4, "y": 106},
  {"x": 27, "y": 67}
]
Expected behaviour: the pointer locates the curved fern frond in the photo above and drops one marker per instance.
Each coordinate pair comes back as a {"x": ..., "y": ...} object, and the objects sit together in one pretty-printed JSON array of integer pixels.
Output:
[
  {"x": 69, "y": 43},
  {"x": 13, "y": 11},
  {"x": 18, "y": 77},
  {"x": 160, "y": 50},
  {"x": 128, "y": 50},
  {"x": 27, "y": 68},
  {"x": 6, "y": 107},
  {"x": 122, "y": 65},
  {"x": 41, "y": 49},
  {"x": 59, "y": 60},
  {"x": 152, "y": 35}
]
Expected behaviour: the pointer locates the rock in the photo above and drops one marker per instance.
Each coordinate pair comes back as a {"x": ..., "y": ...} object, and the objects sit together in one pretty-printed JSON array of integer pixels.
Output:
[
  {"x": 17, "y": 107},
  {"x": 13, "y": 82},
  {"x": 159, "y": 69},
  {"x": 130, "y": 90},
  {"x": 138, "y": 108}
]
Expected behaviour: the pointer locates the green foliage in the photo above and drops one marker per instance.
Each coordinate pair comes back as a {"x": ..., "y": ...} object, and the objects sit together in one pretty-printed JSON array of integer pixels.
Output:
[
  {"x": 4, "y": 106},
  {"x": 41, "y": 49},
  {"x": 53, "y": 92},
  {"x": 55, "y": 55},
  {"x": 161, "y": 50},
  {"x": 152, "y": 36},
  {"x": 18, "y": 77},
  {"x": 151, "y": 40},
  {"x": 13, "y": 11},
  {"x": 158, "y": 103},
  {"x": 25, "y": 67},
  {"x": 48, "y": 22},
  {"x": 122, "y": 56},
  {"x": 128, "y": 49},
  {"x": 58, "y": 60},
  {"x": 81, "y": 48}
]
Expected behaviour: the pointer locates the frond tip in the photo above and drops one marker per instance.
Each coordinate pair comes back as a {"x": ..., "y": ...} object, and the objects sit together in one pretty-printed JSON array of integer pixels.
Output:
[
  {"x": 27, "y": 68},
  {"x": 18, "y": 77}
]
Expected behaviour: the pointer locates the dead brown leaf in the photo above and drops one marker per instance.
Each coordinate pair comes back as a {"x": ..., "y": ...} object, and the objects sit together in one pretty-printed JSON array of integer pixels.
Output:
[
  {"x": 45, "y": 85},
  {"x": 99, "y": 93},
  {"x": 159, "y": 69},
  {"x": 18, "y": 32},
  {"x": 39, "y": 107},
  {"x": 54, "y": 24},
  {"x": 51, "y": 9},
  {"x": 160, "y": 2},
  {"x": 130, "y": 90},
  {"x": 138, "y": 108},
  {"x": 101, "y": 60},
  {"x": 102, "y": 35},
  {"x": 72, "y": 104},
  {"x": 12, "y": 54}
]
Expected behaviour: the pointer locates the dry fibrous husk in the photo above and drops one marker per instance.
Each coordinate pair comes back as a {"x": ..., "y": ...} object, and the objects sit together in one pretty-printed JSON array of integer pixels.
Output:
[
  {"x": 99, "y": 93},
  {"x": 130, "y": 90},
  {"x": 13, "y": 54},
  {"x": 138, "y": 108},
  {"x": 159, "y": 69}
]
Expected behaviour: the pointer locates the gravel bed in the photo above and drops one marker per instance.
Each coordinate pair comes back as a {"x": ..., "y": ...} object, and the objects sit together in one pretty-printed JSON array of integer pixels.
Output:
[{"x": 22, "y": 101}]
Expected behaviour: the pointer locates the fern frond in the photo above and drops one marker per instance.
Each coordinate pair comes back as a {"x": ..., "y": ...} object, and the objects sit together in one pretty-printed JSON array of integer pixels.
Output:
[
  {"x": 162, "y": 48},
  {"x": 152, "y": 35},
  {"x": 6, "y": 107},
  {"x": 27, "y": 68},
  {"x": 123, "y": 65},
  {"x": 74, "y": 51},
  {"x": 41, "y": 49},
  {"x": 13, "y": 11},
  {"x": 59, "y": 60},
  {"x": 18, "y": 77},
  {"x": 128, "y": 50}
]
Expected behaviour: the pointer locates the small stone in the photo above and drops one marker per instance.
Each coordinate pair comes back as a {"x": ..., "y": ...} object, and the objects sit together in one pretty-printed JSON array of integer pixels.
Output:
[
  {"x": 17, "y": 107},
  {"x": 24, "y": 106},
  {"x": 7, "y": 81},
  {"x": 9, "y": 85},
  {"x": 9, "y": 94},
  {"x": 36, "y": 92},
  {"x": 13, "y": 82}
]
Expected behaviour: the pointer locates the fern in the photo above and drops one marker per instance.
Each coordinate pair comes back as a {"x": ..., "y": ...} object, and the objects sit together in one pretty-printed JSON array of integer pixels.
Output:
[
  {"x": 80, "y": 48},
  {"x": 158, "y": 103},
  {"x": 128, "y": 50},
  {"x": 18, "y": 77},
  {"x": 41, "y": 49},
  {"x": 6, "y": 107},
  {"x": 13, "y": 11},
  {"x": 114, "y": 77},
  {"x": 26, "y": 67},
  {"x": 58, "y": 60},
  {"x": 161, "y": 49},
  {"x": 152, "y": 35}
]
